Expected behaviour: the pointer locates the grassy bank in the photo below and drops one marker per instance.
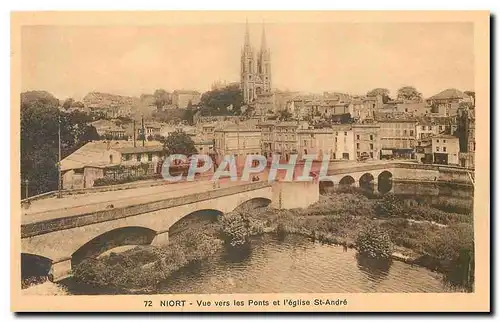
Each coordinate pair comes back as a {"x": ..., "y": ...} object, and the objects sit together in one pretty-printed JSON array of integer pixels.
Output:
[{"x": 431, "y": 237}]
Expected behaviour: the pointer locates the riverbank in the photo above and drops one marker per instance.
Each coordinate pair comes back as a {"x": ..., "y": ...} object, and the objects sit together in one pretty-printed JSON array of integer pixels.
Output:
[{"x": 420, "y": 234}]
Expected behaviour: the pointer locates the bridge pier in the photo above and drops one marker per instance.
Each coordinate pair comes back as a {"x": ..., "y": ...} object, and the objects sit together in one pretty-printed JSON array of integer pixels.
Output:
[
  {"x": 60, "y": 270},
  {"x": 161, "y": 239}
]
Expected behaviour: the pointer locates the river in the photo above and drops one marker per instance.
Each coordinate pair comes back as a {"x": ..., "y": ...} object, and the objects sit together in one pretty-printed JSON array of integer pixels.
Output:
[{"x": 292, "y": 265}]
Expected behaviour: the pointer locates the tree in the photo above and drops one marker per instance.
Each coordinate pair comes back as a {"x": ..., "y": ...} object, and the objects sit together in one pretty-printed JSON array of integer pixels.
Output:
[
  {"x": 161, "y": 98},
  {"x": 40, "y": 116},
  {"x": 380, "y": 91},
  {"x": 409, "y": 93},
  {"x": 178, "y": 142},
  {"x": 374, "y": 242},
  {"x": 68, "y": 103},
  {"x": 216, "y": 102}
]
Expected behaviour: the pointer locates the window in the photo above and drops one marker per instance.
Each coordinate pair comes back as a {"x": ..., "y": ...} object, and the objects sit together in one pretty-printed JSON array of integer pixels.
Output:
[
  {"x": 404, "y": 132},
  {"x": 345, "y": 133},
  {"x": 437, "y": 140},
  {"x": 371, "y": 146},
  {"x": 444, "y": 149},
  {"x": 444, "y": 141},
  {"x": 437, "y": 149},
  {"x": 110, "y": 158},
  {"x": 371, "y": 137},
  {"x": 371, "y": 155},
  {"x": 138, "y": 158},
  {"x": 411, "y": 132},
  {"x": 357, "y": 145},
  {"x": 357, "y": 137},
  {"x": 424, "y": 128},
  {"x": 150, "y": 157},
  {"x": 336, "y": 133},
  {"x": 335, "y": 140}
]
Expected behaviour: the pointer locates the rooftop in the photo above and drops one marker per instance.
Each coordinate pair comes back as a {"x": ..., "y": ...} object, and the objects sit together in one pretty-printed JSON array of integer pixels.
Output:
[{"x": 448, "y": 94}]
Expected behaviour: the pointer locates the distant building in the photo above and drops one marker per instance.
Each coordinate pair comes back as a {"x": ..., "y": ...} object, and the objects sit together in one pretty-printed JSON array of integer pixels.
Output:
[
  {"x": 397, "y": 135},
  {"x": 185, "y": 98},
  {"x": 343, "y": 145},
  {"x": 255, "y": 76},
  {"x": 107, "y": 128},
  {"x": 92, "y": 161},
  {"x": 237, "y": 140},
  {"x": 446, "y": 103},
  {"x": 316, "y": 141},
  {"x": 439, "y": 149},
  {"x": 367, "y": 140}
]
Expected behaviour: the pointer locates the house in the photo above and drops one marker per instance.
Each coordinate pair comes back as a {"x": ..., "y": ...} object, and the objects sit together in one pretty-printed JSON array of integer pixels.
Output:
[
  {"x": 439, "y": 149},
  {"x": 397, "y": 135},
  {"x": 367, "y": 140},
  {"x": 81, "y": 168},
  {"x": 447, "y": 102},
  {"x": 319, "y": 142},
  {"x": 185, "y": 98},
  {"x": 236, "y": 140}
]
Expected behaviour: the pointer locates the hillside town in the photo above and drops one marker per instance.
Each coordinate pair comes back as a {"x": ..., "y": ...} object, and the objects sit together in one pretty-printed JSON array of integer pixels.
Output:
[
  {"x": 251, "y": 117},
  {"x": 133, "y": 188}
]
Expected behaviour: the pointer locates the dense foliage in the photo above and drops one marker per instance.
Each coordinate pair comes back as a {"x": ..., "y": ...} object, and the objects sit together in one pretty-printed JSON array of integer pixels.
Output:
[
  {"x": 374, "y": 242},
  {"x": 216, "y": 102},
  {"x": 178, "y": 142},
  {"x": 40, "y": 115}
]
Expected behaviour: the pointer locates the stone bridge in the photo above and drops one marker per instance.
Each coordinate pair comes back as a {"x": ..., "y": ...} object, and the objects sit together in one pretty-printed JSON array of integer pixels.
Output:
[
  {"x": 66, "y": 237},
  {"x": 380, "y": 176},
  {"x": 55, "y": 245}
]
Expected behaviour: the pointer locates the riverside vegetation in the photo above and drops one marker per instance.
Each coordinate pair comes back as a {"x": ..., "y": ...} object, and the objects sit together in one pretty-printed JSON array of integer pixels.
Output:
[{"x": 427, "y": 234}]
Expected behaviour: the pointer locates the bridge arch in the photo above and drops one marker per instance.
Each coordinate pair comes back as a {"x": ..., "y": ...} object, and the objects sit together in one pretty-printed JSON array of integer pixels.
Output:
[
  {"x": 366, "y": 181},
  {"x": 253, "y": 203},
  {"x": 384, "y": 182},
  {"x": 194, "y": 218},
  {"x": 347, "y": 181},
  {"x": 130, "y": 235},
  {"x": 34, "y": 265}
]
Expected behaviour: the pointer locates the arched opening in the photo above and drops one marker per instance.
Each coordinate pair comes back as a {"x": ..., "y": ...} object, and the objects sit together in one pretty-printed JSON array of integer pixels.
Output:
[
  {"x": 346, "y": 181},
  {"x": 196, "y": 219},
  {"x": 326, "y": 186},
  {"x": 385, "y": 182},
  {"x": 112, "y": 239},
  {"x": 253, "y": 204},
  {"x": 367, "y": 182},
  {"x": 34, "y": 265}
]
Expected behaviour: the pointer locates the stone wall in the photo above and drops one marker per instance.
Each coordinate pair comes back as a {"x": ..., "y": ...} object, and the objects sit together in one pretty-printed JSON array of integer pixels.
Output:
[{"x": 290, "y": 195}]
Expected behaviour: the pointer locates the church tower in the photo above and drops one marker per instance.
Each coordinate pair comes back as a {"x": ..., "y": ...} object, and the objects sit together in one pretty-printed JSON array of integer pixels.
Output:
[
  {"x": 264, "y": 63},
  {"x": 255, "y": 69}
]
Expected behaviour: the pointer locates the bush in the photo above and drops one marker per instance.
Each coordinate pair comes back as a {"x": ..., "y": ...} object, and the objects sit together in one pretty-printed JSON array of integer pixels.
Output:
[
  {"x": 390, "y": 206},
  {"x": 235, "y": 229},
  {"x": 374, "y": 242}
]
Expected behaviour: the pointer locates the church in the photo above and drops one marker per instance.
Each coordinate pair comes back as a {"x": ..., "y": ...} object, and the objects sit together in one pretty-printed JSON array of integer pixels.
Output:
[{"x": 255, "y": 69}]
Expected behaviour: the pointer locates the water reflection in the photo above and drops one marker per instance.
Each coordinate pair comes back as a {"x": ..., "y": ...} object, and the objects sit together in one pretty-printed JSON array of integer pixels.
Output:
[
  {"x": 375, "y": 269},
  {"x": 294, "y": 265}
]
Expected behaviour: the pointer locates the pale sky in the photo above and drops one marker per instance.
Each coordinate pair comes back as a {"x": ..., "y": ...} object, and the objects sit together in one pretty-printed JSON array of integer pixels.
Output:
[{"x": 314, "y": 57}]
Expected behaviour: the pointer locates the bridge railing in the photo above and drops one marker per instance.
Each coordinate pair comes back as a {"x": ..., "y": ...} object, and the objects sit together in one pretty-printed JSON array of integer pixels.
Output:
[{"x": 50, "y": 225}]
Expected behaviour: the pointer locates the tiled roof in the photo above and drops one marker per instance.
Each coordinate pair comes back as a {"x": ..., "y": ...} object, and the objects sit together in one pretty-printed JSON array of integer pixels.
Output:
[
  {"x": 448, "y": 94},
  {"x": 140, "y": 149}
]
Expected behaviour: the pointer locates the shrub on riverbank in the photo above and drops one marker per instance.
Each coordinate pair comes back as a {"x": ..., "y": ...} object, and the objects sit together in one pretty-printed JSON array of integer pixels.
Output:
[
  {"x": 146, "y": 266},
  {"x": 374, "y": 242}
]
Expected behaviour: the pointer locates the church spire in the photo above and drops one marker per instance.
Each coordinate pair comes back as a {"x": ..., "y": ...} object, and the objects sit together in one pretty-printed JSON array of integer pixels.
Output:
[
  {"x": 263, "y": 44},
  {"x": 247, "y": 35}
]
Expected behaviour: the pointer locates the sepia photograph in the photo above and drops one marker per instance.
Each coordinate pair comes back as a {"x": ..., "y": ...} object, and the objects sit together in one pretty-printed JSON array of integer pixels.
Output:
[{"x": 250, "y": 161}]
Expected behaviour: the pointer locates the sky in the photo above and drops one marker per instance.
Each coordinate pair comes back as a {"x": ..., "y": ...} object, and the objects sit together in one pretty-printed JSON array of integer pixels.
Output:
[{"x": 70, "y": 61}]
